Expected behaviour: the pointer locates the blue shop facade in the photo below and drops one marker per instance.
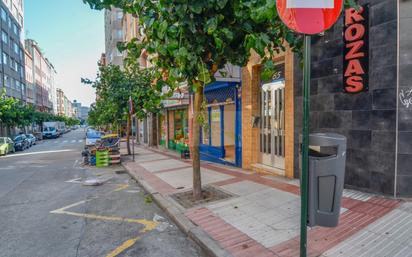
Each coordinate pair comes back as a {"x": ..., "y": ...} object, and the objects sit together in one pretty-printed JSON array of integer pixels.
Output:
[{"x": 221, "y": 136}]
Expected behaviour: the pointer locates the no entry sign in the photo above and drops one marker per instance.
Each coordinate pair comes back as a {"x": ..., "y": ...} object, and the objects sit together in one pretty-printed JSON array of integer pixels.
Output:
[{"x": 309, "y": 16}]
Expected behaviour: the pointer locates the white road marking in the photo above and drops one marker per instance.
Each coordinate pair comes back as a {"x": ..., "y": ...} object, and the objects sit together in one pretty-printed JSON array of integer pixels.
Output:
[
  {"x": 76, "y": 180},
  {"x": 74, "y": 141},
  {"x": 65, "y": 141},
  {"x": 8, "y": 168},
  {"x": 80, "y": 141},
  {"x": 43, "y": 152},
  {"x": 310, "y": 4}
]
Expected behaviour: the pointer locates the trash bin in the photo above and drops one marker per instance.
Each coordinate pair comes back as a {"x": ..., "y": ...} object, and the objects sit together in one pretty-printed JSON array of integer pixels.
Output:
[{"x": 327, "y": 159}]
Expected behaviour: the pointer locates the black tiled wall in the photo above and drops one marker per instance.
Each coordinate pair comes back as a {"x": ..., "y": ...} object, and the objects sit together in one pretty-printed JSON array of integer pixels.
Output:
[
  {"x": 367, "y": 119},
  {"x": 404, "y": 172}
]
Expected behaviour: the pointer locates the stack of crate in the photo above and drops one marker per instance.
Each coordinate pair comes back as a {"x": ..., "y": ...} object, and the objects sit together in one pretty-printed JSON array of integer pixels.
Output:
[
  {"x": 114, "y": 156},
  {"x": 102, "y": 158}
]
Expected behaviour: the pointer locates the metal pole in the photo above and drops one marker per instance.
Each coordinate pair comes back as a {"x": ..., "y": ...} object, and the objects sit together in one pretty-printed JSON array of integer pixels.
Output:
[
  {"x": 133, "y": 134},
  {"x": 305, "y": 149}
]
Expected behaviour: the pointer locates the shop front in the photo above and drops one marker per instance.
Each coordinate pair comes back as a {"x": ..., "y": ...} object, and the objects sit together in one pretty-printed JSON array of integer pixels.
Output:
[
  {"x": 173, "y": 123},
  {"x": 267, "y": 117},
  {"x": 221, "y": 137}
]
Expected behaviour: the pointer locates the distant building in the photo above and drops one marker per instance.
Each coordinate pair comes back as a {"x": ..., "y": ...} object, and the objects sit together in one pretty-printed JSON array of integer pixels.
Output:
[
  {"x": 30, "y": 92},
  {"x": 113, "y": 35},
  {"x": 12, "y": 53},
  {"x": 84, "y": 112},
  {"x": 76, "y": 108},
  {"x": 43, "y": 76},
  {"x": 16, "y": 9}
]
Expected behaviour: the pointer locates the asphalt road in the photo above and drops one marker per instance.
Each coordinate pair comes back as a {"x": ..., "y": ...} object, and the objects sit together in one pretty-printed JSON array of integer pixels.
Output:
[{"x": 45, "y": 210}]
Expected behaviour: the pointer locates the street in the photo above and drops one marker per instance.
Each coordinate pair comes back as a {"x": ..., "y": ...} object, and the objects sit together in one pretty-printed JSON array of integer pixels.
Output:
[{"x": 45, "y": 210}]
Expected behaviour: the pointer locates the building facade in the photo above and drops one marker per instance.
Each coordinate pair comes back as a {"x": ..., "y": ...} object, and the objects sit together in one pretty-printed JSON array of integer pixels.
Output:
[
  {"x": 16, "y": 9},
  {"x": 30, "y": 93},
  {"x": 113, "y": 26},
  {"x": 43, "y": 75},
  {"x": 64, "y": 106},
  {"x": 12, "y": 51},
  {"x": 360, "y": 88}
]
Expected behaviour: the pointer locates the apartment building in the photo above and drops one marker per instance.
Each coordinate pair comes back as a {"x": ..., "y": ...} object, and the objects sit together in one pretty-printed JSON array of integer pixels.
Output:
[
  {"x": 16, "y": 9},
  {"x": 113, "y": 35},
  {"x": 43, "y": 75},
  {"x": 64, "y": 106},
  {"x": 12, "y": 54}
]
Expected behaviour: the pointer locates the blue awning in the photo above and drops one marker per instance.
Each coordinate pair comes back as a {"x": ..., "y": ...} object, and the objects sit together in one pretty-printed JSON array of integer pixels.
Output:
[{"x": 220, "y": 91}]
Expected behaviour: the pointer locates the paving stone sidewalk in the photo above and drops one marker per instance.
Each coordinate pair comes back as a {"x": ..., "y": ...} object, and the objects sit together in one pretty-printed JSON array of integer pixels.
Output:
[{"x": 262, "y": 217}]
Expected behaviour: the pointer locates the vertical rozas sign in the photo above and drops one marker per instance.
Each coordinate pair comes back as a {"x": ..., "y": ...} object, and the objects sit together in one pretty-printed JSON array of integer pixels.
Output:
[{"x": 356, "y": 50}]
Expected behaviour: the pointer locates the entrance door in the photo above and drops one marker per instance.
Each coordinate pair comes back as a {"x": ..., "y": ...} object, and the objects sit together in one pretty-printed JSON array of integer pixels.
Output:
[{"x": 272, "y": 132}]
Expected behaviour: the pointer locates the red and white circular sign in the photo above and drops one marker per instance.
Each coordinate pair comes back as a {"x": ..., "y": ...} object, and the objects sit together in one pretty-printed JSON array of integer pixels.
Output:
[{"x": 309, "y": 16}]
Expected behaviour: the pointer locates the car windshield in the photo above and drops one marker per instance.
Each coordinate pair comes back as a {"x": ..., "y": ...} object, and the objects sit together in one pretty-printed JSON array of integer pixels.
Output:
[
  {"x": 49, "y": 129},
  {"x": 2, "y": 140},
  {"x": 19, "y": 138},
  {"x": 94, "y": 134}
]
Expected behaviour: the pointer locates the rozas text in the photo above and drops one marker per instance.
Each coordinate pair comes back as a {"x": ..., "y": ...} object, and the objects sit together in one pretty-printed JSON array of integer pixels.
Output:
[{"x": 355, "y": 62}]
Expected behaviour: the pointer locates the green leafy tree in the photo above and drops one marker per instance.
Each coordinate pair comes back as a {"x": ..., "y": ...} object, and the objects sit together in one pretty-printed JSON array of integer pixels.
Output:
[
  {"x": 191, "y": 40},
  {"x": 115, "y": 87}
]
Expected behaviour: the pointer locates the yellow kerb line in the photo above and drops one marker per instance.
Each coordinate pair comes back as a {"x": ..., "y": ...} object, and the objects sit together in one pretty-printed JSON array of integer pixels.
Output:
[
  {"x": 127, "y": 244},
  {"x": 121, "y": 187}
]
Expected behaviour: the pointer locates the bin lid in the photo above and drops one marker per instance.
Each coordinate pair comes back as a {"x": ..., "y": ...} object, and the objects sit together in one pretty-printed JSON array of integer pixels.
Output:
[{"x": 327, "y": 139}]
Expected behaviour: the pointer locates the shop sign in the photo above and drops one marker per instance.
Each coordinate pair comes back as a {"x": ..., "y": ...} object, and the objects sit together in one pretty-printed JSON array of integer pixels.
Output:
[{"x": 356, "y": 50}]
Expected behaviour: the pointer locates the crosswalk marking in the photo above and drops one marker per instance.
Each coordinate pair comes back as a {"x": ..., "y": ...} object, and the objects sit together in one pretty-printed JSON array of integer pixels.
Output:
[{"x": 71, "y": 141}]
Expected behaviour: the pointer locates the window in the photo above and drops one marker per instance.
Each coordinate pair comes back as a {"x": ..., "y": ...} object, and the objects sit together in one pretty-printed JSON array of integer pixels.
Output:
[
  {"x": 11, "y": 61},
  {"x": 15, "y": 29},
  {"x": 6, "y": 81},
  {"x": 5, "y": 58},
  {"x": 21, "y": 72},
  {"x": 3, "y": 15},
  {"x": 119, "y": 34},
  {"x": 16, "y": 48},
  {"x": 15, "y": 66},
  {"x": 119, "y": 15},
  {"x": 9, "y": 21},
  {"x": 4, "y": 37}
]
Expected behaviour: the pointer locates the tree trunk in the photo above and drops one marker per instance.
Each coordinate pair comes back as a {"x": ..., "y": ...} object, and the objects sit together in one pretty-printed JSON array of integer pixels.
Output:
[
  {"x": 129, "y": 152},
  {"x": 197, "y": 181}
]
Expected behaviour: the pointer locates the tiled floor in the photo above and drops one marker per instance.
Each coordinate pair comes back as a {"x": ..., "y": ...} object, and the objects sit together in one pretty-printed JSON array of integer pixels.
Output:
[
  {"x": 263, "y": 218},
  {"x": 163, "y": 164},
  {"x": 390, "y": 236},
  {"x": 184, "y": 177}
]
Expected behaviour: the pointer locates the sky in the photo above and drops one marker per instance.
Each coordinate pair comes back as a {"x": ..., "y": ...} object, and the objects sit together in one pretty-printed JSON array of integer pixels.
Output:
[{"x": 71, "y": 36}]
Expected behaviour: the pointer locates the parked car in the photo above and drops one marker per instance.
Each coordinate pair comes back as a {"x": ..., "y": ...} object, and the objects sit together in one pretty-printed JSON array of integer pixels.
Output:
[
  {"x": 6, "y": 146},
  {"x": 32, "y": 139},
  {"x": 21, "y": 143},
  {"x": 92, "y": 137},
  {"x": 50, "y": 132}
]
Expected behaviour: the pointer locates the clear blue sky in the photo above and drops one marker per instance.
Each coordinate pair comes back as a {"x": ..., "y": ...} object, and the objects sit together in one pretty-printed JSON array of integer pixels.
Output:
[{"x": 72, "y": 38}]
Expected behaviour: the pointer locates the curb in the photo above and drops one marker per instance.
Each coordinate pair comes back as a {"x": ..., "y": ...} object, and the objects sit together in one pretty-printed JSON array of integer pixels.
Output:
[{"x": 176, "y": 213}]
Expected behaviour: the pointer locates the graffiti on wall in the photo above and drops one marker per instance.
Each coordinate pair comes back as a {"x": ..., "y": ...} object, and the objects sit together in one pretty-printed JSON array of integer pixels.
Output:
[{"x": 405, "y": 97}]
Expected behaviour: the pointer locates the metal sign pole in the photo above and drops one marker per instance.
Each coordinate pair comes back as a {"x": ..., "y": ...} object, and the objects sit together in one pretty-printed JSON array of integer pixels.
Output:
[
  {"x": 133, "y": 134},
  {"x": 305, "y": 149}
]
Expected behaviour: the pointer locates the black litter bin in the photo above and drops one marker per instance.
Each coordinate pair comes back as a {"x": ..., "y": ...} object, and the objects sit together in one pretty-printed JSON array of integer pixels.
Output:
[{"x": 327, "y": 159}]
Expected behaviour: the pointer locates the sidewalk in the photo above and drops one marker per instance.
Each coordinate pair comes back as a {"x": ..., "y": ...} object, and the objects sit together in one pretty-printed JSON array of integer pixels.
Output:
[{"x": 262, "y": 217}]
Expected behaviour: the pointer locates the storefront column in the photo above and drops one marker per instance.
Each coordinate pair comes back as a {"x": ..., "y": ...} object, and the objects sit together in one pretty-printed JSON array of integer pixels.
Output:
[
  {"x": 238, "y": 128},
  {"x": 222, "y": 127},
  {"x": 209, "y": 110}
]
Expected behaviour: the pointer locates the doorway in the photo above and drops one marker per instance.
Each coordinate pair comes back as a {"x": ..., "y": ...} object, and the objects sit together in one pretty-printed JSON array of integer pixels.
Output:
[{"x": 272, "y": 124}]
